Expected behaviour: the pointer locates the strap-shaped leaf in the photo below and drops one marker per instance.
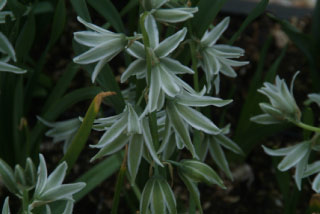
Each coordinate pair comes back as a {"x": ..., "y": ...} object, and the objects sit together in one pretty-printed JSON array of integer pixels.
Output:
[
  {"x": 173, "y": 15},
  {"x": 228, "y": 143},
  {"x": 200, "y": 172},
  {"x": 113, "y": 132},
  {"x": 175, "y": 66},
  {"x": 146, "y": 197},
  {"x": 180, "y": 127},
  {"x": 152, "y": 30},
  {"x": 6, "y": 47},
  {"x": 193, "y": 190},
  {"x": 294, "y": 156},
  {"x": 7, "y": 177},
  {"x": 136, "y": 49},
  {"x": 168, "y": 83},
  {"x": 154, "y": 90},
  {"x": 135, "y": 151},
  {"x": 300, "y": 169},
  {"x": 219, "y": 157},
  {"x": 312, "y": 169},
  {"x": 57, "y": 176},
  {"x": 197, "y": 120},
  {"x": 148, "y": 141},
  {"x": 6, "y": 208},
  {"x": 211, "y": 37},
  {"x": 170, "y": 44},
  {"x": 112, "y": 146}
]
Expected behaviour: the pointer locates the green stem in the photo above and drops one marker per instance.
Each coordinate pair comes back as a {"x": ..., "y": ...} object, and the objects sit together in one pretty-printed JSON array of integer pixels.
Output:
[
  {"x": 119, "y": 184},
  {"x": 307, "y": 127},
  {"x": 25, "y": 201}
]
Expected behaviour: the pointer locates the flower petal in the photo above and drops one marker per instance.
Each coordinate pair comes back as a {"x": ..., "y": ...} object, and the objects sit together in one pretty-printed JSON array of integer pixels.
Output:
[
  {"x": 211, "y": 37},
  {"x": 152, "y": 30},
  {"x": 135, "y": 152},
  {"x": 175, "y": 66},
  {"x": 136, "y": 49},
  {"x": 154, "y": 91},
  {"x": 168, "y": 84},
  {"x": 174, "y": 15},
  {"x": 134, "y": 68}
]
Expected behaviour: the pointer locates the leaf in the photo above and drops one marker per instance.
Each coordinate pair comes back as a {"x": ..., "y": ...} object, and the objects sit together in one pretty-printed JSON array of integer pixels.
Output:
[
  {"x": 28, "y": 34},
  {"x": 180, "y": 128},
  {"x": 197, "y": 120},
  {"x": 254, "y": 13},
  {"x": 200, "y": 172},
  {"x": 109, "y": 12},
  {"x": 210, "y": 38},
  {"x": 58, "y": 23},
  {"x": 7, "y": 177},
  {"x": 80, "y": 6},
  {"x": 219, "y": 157},
  {"x": 148, "y": 141},
  {"x": 135, "y": 151},
  {"x": 170, "y": 43},
  {"x": 294, "y": 156},
  {"x": 208, "y": 10},
  {"x": 82, "y": 134},
  {"x": 97, "y": 174}
]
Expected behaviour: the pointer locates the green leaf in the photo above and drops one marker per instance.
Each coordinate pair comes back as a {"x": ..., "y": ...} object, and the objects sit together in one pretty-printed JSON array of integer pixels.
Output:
[
  {"x": 80, "y": 6},
  {"x": 26, "y": 38},
  {"x": 97, "y": 174},
  {"x": 59, "y": 20},
  {"x": 294, "y": 156},
  {"x": 254, "y": 13},
  {"x": 7, "y": 177},
  {"x": 109, "y": 12},
  {"x": 208, "y": 10},
  {"x": 82, "y": 134}
]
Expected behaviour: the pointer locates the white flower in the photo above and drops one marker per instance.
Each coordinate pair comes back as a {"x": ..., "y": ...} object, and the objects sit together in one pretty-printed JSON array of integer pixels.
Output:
[
  {"x": 216, "y": 58},
  {"x": 104, "y": 45}
]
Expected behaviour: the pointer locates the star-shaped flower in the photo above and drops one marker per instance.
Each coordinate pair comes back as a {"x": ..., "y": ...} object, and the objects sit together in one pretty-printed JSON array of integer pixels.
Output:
[{"x": 217, "y": 58}]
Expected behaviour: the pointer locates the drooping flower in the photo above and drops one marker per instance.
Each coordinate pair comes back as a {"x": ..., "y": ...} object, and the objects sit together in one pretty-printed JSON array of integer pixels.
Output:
[
  {"x": 163, "y": 79},
  {"x": 282, "y": 103},
  {"x": 217, "y": 58},
  {"x": 169, "y": 15},
  {"x": 104, "y": 45}
]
